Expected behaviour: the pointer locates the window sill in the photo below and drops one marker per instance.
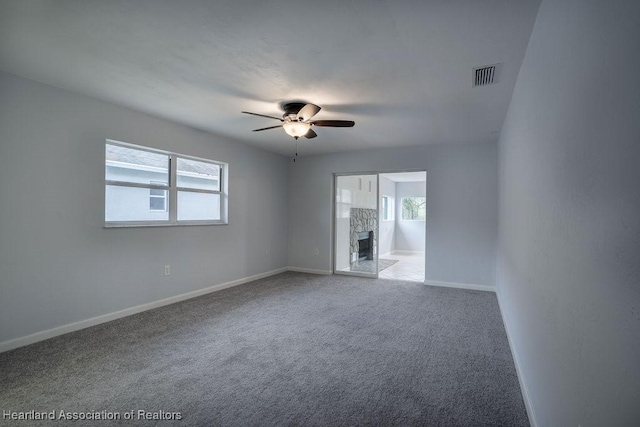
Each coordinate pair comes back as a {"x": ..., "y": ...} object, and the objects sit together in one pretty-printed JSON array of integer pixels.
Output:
[{"x": 161, "y": 224}]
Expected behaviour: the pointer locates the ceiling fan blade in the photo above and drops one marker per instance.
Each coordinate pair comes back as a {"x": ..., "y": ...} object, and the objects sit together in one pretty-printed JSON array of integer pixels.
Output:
[
  {"x": 262, "y": 115},
  {"x": 307, "y": 112},
  {"x": 334, "y": 123},
  {"x": 310, "y": 134},
  {"x": 270, "y": 127}
]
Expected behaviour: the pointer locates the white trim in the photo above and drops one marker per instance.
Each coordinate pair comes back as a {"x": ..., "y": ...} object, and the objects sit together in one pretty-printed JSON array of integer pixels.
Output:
[
  {"x": 401, "y": 252},
  {"x": 124, "y": 165},
  {"x": 486, "y": 288},
  {"x": 376, "y": 247},
  {"x": 158, "y": 223},
  {"x": 82, "y": 324},
  {"x": 310, "y": 271},
  {"x": 356, "y": 274},
  {"x": 523, "y": 386}
]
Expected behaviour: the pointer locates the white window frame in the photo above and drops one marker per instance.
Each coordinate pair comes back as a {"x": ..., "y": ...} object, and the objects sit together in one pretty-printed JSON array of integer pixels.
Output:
[
  {"x": 172, "y": 191},
  {"x": 390, "y": 208},
  {"x": 402, "y": 210}
]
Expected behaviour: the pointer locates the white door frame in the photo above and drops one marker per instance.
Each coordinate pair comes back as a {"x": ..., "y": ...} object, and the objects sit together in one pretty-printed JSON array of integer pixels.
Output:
[
  {"x": 333, "y": 225},
  {"x": 333, "y": 219}
]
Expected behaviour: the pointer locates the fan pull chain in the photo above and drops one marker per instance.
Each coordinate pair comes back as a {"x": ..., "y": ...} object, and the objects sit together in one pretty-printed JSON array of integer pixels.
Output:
[{"x": 296, "y": 150}]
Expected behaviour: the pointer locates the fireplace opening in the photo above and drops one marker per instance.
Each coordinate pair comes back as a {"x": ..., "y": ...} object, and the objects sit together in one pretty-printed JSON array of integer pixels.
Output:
[{"x": 365, "y": 245}]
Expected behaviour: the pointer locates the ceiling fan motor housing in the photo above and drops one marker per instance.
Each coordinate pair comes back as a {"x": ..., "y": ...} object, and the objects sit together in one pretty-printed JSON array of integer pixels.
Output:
[{"x": 292, "y": 108}]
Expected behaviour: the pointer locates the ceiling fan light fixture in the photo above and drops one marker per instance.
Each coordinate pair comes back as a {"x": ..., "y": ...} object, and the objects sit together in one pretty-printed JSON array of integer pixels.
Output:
[
  {"x": 296, "y": 120},
  {"x": 296, "y": 129}
]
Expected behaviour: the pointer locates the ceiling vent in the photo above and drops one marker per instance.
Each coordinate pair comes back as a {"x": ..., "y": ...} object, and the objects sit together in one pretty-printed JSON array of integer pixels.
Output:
[{"x": 486, "y": 75}]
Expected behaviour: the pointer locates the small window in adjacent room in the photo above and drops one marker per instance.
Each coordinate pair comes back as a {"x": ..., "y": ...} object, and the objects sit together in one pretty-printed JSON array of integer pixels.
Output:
[
  {"x": 387, "y": 208},
  {"x": 144, "y": 187},
  {"x": 414, "y": 208}
]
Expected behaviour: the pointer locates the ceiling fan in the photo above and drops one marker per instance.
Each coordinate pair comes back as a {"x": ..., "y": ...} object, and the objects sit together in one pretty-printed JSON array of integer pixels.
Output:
[{"x": 296, "y": 120}]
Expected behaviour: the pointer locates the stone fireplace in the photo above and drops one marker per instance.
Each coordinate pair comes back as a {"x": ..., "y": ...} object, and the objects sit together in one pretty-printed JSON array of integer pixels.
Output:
[{"x": 363, "y": 239}]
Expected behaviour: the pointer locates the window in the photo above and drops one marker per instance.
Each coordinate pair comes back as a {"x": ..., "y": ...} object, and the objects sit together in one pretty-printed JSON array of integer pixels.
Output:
[
  {"x": 152, "y": 187},
  {"x": 157, "y": 198},
  {"x": 414, "y": 208},
  {"x": 387, "y": 208},
  {"x": 198, "y": 185}
]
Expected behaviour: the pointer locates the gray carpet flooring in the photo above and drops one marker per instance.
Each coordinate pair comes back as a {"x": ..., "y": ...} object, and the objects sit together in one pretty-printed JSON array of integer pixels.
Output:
[{"x": 292, "y": 349}]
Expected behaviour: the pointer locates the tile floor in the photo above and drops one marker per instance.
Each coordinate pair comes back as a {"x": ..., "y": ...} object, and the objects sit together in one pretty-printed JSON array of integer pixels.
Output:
[{"x": 408, "y": 267}]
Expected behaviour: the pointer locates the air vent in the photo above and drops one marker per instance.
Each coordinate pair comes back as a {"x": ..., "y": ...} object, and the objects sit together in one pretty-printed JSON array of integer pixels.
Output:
[{"x": 485, "y": 75}]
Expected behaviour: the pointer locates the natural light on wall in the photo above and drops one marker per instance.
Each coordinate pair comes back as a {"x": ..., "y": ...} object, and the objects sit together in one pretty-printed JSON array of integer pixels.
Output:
[{"x": 387, "y": 208}]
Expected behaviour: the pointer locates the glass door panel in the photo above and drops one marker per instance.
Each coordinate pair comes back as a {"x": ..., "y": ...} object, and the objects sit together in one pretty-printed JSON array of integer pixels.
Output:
[{"x": 356, "y": 225}]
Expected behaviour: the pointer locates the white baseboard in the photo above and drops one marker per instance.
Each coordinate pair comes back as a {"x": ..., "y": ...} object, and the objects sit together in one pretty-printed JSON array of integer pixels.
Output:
[
  {"x": 523, "y": 387},
  {"x": 82, "y": 324},
  {"x": 310, "y": 271},
  {"x": 401, "y": 252},
  {"x": 460, "y": 285}
]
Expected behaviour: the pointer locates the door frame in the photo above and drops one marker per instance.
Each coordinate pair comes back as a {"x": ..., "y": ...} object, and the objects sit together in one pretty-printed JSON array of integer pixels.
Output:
[
  {"x": 333, "y": 218},
  {"x": 333, "y": 225}
]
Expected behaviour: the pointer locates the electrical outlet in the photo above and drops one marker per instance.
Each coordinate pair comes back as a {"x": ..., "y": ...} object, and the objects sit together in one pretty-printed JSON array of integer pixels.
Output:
[
  {"x": 167, "y": 270},
  {"x": 317, "y": 251}
]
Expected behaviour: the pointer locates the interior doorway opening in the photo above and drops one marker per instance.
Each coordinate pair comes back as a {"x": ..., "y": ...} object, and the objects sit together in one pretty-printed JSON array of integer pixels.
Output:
[
  {"x": 402, "y": 227},
  {"x": 380, "y": 225}
]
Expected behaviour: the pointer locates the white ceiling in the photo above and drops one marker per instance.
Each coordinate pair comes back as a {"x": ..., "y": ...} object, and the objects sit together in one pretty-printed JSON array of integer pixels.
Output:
[{"x": 401, "y": 69}]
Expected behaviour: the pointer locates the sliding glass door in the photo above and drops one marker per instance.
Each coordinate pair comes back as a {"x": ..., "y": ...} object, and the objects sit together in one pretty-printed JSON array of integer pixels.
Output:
[{"x": 356, "y": 225}]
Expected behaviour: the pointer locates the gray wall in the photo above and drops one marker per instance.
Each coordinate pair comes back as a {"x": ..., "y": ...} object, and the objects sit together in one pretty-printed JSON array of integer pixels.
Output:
[
  {"x": 387, "y": 228},
  {"x": 57, "y": 262},
  {"x": 569, "y": 235},
  {"x": 462, "y": 191},
  {"x": 409, "y": 234}
]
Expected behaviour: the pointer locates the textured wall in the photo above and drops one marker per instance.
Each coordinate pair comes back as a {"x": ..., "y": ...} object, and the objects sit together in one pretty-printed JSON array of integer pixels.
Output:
[
  {"x": 59, "y": 265},
  {"x": 569, "y": 245}
]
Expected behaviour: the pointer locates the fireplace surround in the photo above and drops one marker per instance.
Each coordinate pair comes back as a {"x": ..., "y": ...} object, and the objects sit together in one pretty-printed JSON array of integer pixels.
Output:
[{"x": 363, "y": 221}]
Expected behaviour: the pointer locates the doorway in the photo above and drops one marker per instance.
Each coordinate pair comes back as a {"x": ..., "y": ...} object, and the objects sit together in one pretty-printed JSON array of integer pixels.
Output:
[
  {"x": 380, "y": 225},
  {"x": 403, "y": 225}
]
